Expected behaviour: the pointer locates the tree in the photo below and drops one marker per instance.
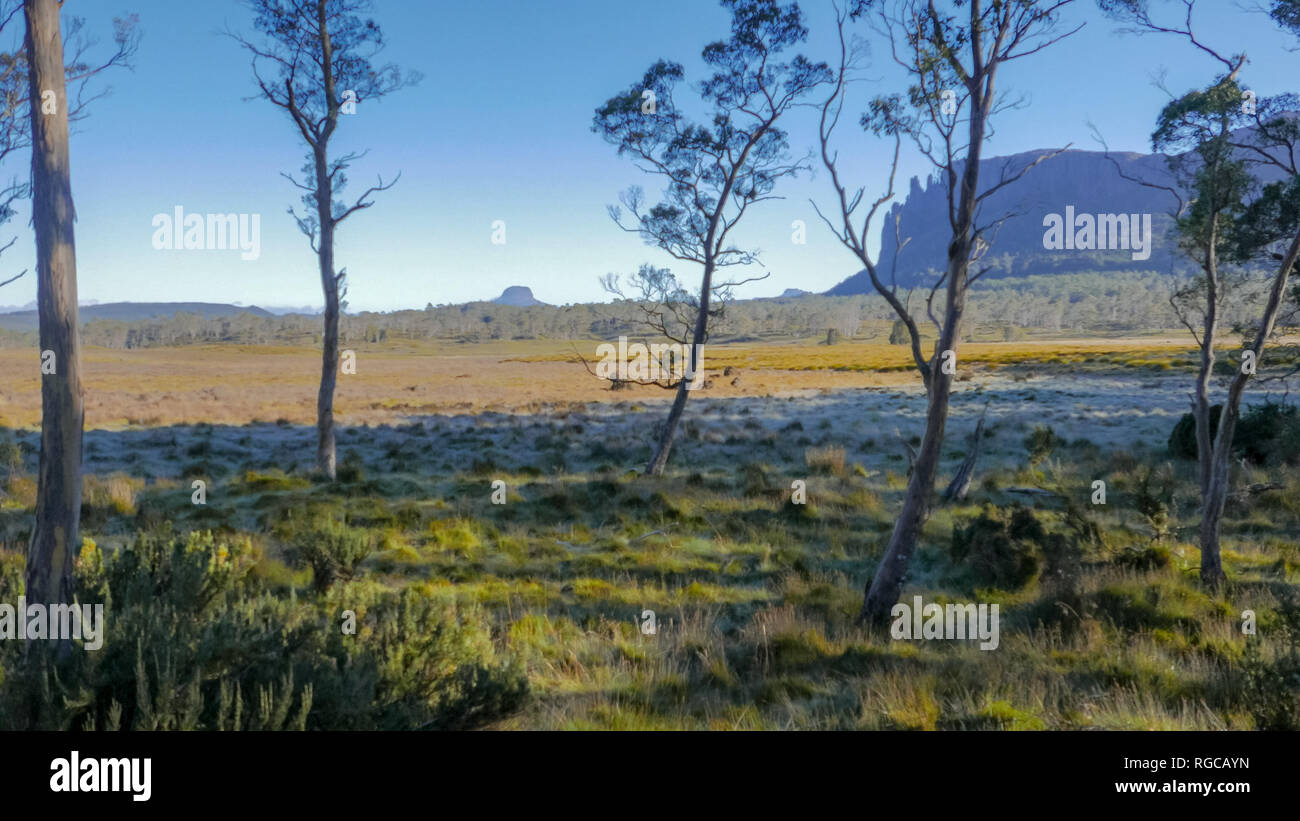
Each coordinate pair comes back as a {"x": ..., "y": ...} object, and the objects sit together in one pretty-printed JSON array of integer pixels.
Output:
[
  {"x": 1231, "y": 220},
  {"x": 55, "y": 536},
  {"x": 15, "y": 122},
  {"x": 952, "y": 58},
  {"x": 898, "y": 333},
  {"x": 714, "y": 173},
  {"x": 322, "y": 50}
]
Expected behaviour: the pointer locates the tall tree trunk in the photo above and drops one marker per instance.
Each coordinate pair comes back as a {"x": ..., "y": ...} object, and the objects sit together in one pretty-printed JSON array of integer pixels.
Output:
[
  {"x": 1213, "y": 499},
  {"x": 329, "y": 367},
  {"x": 1214, "y": 493},
  {"x": 887, "y": 585},
  {"x": 1209, "y": 337},
  {"x": 659, "y": 460},
  {"x": 1207, "y": 459},
  {"x": 55, "y": 537}
]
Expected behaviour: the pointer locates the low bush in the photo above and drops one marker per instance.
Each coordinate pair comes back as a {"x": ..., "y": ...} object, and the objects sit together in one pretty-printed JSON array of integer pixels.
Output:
[
  {"x": 193, "y": 640},
  {"x": 1001, "y": 549},
  {"x": 1265, "y": 434}
]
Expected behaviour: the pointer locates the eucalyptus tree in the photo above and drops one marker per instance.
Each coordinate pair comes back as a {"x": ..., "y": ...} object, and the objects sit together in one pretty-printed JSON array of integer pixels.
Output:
[
  {"x": 1238, "y": 209},
  {"x": 321, "y": 52},
  {"x": 38, "y": 118},
  {"x": 713, "y": 173},
  {"x": 952, "y": 54}
]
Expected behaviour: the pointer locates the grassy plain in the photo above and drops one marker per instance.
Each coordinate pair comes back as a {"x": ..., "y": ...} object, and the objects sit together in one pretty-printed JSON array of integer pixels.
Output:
[
  {"x": 754, "y": 596},
  {"x": 236, "y": 384}
]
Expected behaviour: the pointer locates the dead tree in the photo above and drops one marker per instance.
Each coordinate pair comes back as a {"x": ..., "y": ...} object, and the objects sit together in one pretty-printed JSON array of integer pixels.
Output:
[{"x": 961, "y": 480}]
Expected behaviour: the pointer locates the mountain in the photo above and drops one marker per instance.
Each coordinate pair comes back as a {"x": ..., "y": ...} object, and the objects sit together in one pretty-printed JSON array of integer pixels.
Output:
[
  {"x": 518, "y": 296},
  {"x": 793, "y": 292},
  {"x": 1086, "y": 181},
  {"x": 130, "y": 311},
  {"x": 1027, "y": 242}
]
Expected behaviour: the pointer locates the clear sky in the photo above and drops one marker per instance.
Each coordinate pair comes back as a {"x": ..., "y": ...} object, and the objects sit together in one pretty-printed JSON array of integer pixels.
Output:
[{"x": 499, "y": 129}]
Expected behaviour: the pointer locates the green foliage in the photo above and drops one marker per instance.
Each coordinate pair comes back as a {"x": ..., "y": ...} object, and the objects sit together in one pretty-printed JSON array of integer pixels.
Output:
[
  {"x": 1151, "y": 498},
  {"x": 757, "y": 480},
  {"x": 194, "y": 640},
  {"x": 1040, "y": 443},
  {"x": 1265, "y": 434},
  {"x": 1085, "y": 301},
  {"x": 1143, "y": 557},
  {"x": 1000, "y": 549},
  {"x": 1269, "y": 434},
  {"x": 1272, "y": 686},
  {"x": 11, "y": 453},
  {"x": 352, "y": 469},
  {"x": 1182, "y": 440},
  {"x": 333, "y": 550}
]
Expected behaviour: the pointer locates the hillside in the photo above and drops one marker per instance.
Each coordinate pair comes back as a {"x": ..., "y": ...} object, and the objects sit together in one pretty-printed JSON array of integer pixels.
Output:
[{"x": 135, "y": 311}]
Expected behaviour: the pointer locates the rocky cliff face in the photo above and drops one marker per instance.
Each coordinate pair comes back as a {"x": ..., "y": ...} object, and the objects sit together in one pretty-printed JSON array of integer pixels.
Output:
[{"x": 1085, "y": 182}]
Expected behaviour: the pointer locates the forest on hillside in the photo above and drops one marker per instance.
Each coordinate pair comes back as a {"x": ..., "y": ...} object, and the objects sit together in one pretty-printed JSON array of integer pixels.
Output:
[{"x": 1090, "y": 303}]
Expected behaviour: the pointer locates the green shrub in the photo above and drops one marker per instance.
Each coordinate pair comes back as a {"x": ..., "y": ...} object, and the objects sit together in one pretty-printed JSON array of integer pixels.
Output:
[
  {"x": 1155, "y": 488},
  {"x": 193, "y": 640},
  {"x": 756, "y": 480},
  {"x": 352, "y": 469},
  {"x": 1271, "y": 687},
  {"x": 1041, "y": 442},
  {"x": 1265, "y": 434},
  {"x": 1269, "y": 434},
  {"x": 1000, "y": 549},
  {"x": 1182, "y": 441},
  {"x": 333, "y": 550},
  {"x": 11, "y": 454}
]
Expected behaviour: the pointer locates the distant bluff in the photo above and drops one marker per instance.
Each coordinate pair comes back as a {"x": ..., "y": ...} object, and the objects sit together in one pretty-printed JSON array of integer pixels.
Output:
[{"x": 518, "y": 296}]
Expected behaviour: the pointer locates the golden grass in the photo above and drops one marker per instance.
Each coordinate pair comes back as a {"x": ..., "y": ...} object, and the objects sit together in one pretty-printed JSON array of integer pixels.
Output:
[{"x": 237, "y": 384}]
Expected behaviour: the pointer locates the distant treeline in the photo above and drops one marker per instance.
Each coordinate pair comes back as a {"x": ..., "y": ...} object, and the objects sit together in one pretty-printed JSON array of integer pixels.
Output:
[{"x": 1092, "y": 302}]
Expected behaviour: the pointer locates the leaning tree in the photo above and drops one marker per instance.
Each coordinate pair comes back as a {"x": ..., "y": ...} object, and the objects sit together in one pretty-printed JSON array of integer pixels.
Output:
[
  {"x": 321, "y": 52},
  {"x": 1235, "y": 159},
  {"x": 712, "y": 173},
  {"x": 952, "y": 54}
]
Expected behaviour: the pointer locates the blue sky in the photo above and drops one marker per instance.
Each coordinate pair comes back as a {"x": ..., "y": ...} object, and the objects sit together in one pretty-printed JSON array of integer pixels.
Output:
[{"x": 499, "y": 129}]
